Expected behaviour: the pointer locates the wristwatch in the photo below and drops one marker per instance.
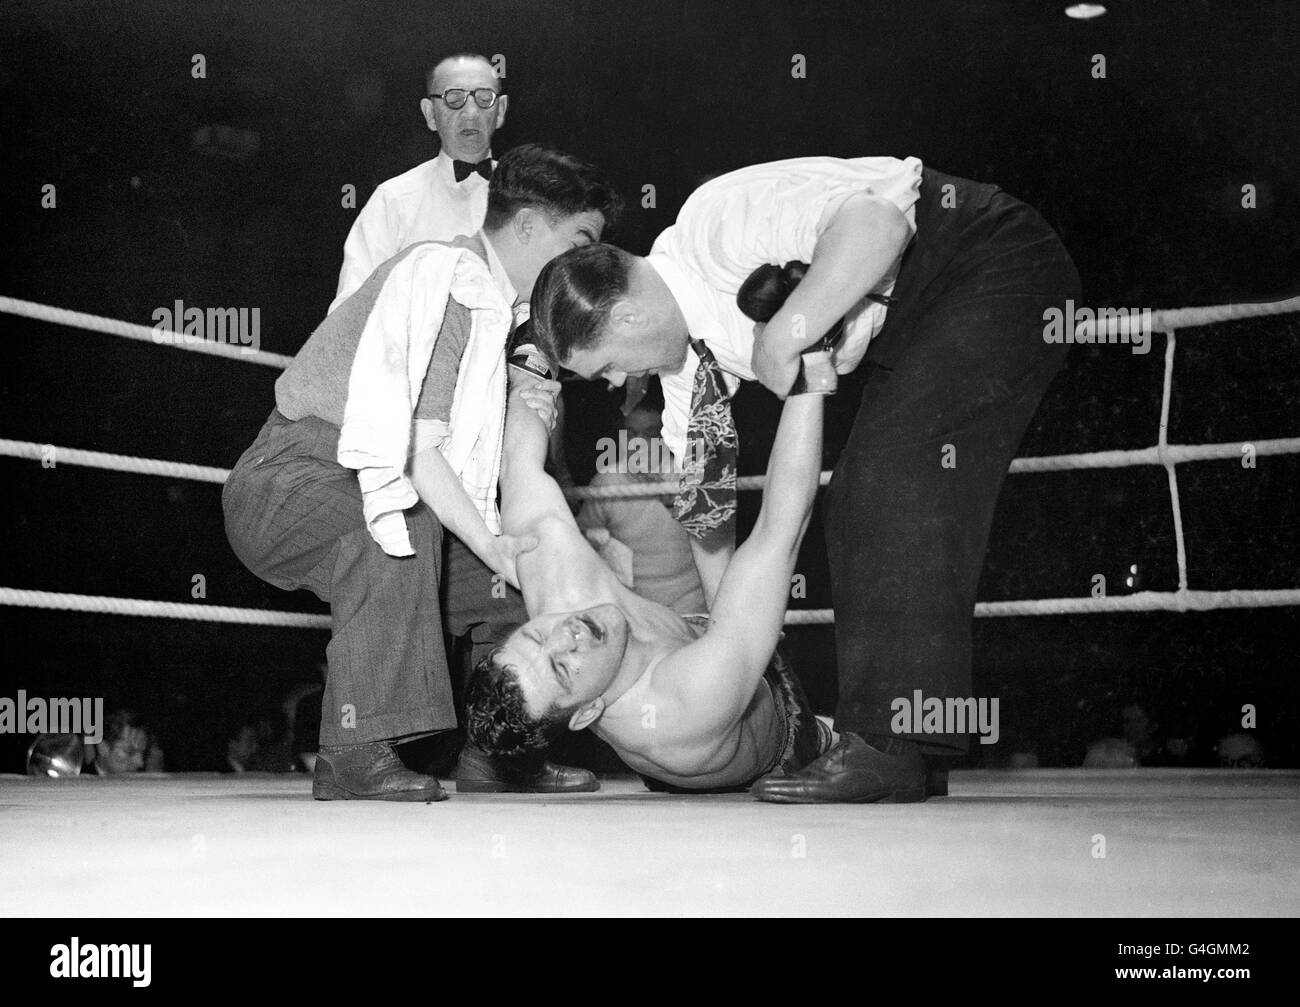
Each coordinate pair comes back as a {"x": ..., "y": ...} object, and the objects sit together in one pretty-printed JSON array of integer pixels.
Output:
[
  {"x": 527, "y": 357},
  {"x": 816, "y": 373},
  {"x": 524, "y": 354}
]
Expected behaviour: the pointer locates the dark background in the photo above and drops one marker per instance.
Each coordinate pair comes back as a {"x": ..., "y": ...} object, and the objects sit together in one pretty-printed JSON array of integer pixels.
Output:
[{"x": 1140, "y": 172}]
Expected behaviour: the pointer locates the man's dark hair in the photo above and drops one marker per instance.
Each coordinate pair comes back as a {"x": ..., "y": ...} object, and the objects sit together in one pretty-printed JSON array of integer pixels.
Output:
[
  {"x": 496, "y": 716},
  {"x": 118, "y": 723},
  {"x": 558, "y": 184},
  {"x": 573, "y": 297},
  {"x": 428, "y": 74}
]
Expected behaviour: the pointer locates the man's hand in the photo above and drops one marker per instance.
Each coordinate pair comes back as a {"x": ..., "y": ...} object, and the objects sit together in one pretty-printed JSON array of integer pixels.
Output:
[
  {"x": 540, "y": 398},
  {"x": 502, "y": 551}
]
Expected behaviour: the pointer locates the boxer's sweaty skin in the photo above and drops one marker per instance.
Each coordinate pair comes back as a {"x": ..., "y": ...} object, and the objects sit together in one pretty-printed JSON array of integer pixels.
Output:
[{"x": 685, "y": 708}]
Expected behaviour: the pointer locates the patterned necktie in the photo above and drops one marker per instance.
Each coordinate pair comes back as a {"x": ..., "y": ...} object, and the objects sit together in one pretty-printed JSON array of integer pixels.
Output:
[
  {"x": 706, "y": 499},
  {"x": 464, "y": 169}
]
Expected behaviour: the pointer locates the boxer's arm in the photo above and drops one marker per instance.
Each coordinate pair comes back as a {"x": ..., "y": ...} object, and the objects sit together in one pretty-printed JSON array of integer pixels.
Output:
[
  {"x": 717, "y": 674},
  {"x": 528, "y": 494},
  {"x": 711, "y": 565},
  {"x": 563, "y": 569},
  {"x": 858, "y": 241}
]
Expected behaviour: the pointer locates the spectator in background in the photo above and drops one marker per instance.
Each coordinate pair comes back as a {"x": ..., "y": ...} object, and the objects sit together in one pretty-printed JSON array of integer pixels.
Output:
[
  {"x": 1110, "y": 753},
  {"x": 306, "y": 729},
  {"x": 1239, "y": 751},
  {"x": 155, "y": 761},
  {"x": 444, "y": 197},
  {"x": 275, "y": 753},
  {"x": 241, "y": 745},
  {"x": 663, "y": 566},
  {"x": 123, "y": 746}
]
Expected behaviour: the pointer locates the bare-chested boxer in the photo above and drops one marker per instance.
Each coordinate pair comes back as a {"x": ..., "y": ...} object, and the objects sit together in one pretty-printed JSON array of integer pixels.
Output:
[{"x": 693, "y": 704}]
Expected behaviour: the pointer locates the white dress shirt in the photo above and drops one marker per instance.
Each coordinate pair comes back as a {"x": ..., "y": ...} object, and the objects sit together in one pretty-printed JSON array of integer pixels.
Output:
[
  {"x": 423, "y": 204},
  {"x": 389, "y": 368},
  {"x": 766, "y": 213}
]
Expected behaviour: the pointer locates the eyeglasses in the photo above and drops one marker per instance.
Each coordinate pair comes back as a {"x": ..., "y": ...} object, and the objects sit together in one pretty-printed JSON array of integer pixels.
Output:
[{"x": 455, "y": 97}]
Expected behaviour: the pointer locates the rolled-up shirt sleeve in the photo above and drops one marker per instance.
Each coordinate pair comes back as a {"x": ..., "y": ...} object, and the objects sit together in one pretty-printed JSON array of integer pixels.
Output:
[{"x": 769, "y": 213}]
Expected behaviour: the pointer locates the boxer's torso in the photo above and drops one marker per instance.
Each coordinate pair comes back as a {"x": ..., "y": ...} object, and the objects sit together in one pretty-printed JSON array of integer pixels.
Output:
[{"x": 657, "y": 736}]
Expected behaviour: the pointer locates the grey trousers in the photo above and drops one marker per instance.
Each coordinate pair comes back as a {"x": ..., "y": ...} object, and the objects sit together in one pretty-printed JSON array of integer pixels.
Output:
[{"x": 293, "y": 517}]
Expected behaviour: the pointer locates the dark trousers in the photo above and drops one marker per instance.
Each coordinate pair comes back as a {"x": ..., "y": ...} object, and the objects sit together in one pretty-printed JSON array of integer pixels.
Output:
[
  {"x": 294, "y": 518},
  {"x": 949, "y": 386}
]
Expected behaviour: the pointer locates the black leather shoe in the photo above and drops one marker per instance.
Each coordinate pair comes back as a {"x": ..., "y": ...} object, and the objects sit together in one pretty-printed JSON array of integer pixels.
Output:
[
  {"x": 853, "y": 772},
  {"x": 371, "y": 772},
  {"x": 480, "y": 773}
]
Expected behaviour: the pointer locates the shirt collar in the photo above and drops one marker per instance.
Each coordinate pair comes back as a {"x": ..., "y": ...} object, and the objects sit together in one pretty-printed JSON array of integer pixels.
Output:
[
  {"x": 497, "y": 270},
  {"x": 691, "y": 296}
]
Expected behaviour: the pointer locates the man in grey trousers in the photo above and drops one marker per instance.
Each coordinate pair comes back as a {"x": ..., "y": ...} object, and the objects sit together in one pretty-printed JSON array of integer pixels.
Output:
[{"x": 294, "y": 514}]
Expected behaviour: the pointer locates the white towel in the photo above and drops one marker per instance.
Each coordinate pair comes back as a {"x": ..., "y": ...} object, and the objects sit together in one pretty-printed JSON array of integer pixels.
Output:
[{"x": 384, "y": 386}]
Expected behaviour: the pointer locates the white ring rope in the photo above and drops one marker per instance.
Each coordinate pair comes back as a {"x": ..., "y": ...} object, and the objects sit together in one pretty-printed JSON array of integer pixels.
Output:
[
  {"x": 53, "y": 455},
  {"x": 129, "y": 330},
  {"x": 165, "y": 609},
  {"x": 1116, "y": 326},
  {"x": 1163, "y": 453},
  {"x": 1171, "y": 454},
  {"x": 1141, "y": 601},
  {"x": 1162, "y": 449}
]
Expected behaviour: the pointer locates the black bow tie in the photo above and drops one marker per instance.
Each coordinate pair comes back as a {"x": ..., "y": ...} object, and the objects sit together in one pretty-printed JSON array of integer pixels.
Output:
[{"x": 464, "y": 169}]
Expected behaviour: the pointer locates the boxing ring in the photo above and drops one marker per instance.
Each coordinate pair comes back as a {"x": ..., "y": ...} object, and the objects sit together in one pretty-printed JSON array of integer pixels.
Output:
[{"x": 1004, "y": 843}]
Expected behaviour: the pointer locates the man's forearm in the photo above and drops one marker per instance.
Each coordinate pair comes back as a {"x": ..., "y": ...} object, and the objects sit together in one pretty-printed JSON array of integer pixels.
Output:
[
  {"x": 859, "y": 245},
  {"x": 440, "y": 488}
]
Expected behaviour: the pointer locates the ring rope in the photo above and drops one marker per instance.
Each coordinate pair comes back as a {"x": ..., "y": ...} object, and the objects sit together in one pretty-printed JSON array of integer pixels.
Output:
[
  {"x": 1163, "y": 454},
  {"x": 54, "y": 455},
  {"x": 1165, "y": 320},
  {"x": 1162, "y": 449},
  {"x": 103, "y": 605},
  {"x": 1141, "y": 601},
  {"x": 1173, "y": 454},
  {"x": 1172, "y": 319},
  {"x": 129, "y": 330}
]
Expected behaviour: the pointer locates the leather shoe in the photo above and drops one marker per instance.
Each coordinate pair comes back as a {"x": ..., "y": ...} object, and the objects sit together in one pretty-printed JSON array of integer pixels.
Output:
[
  {"x": 370, "y": 772},
  {"x": 889, "y": 771},
  {"x": 477, "y": 772}
]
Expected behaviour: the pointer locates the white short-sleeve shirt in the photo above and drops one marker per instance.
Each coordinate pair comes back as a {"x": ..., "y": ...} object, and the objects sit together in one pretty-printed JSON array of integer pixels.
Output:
[
  {"x": 765, "y": 213},
  {"x": 423, "y": 204}
]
